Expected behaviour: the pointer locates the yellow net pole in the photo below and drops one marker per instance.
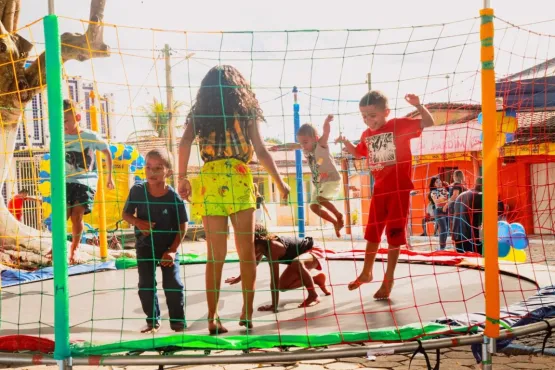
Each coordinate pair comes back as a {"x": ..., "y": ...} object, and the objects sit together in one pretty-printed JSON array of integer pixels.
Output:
[
  {"x": 489, "y": 172},
  {"x": 102, "y": 233}
]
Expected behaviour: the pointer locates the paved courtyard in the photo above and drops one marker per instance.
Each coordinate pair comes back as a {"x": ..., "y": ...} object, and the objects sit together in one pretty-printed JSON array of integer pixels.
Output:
[{"x": 451, "y": 359}]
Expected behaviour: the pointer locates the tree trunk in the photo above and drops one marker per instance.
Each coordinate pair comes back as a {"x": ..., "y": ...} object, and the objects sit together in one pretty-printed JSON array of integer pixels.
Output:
[{"x": 17, "y": 87}]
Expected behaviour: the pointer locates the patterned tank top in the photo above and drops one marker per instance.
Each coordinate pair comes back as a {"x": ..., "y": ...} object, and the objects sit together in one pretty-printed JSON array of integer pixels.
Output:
[
  {"x": 322, "y": 165},
  {"x": 237, "y": 145}
]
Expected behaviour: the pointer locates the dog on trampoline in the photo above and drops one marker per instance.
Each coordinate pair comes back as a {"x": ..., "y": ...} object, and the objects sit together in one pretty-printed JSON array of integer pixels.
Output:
[{"x": 300, "y": 255}]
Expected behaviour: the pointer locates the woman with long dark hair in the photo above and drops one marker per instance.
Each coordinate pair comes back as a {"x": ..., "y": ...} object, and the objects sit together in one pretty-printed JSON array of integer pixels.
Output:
[{"x": 439, "y": 196}]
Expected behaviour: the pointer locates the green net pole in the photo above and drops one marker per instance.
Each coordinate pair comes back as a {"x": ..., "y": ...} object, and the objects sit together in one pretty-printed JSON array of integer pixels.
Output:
[{"x": 58, "y": 188}]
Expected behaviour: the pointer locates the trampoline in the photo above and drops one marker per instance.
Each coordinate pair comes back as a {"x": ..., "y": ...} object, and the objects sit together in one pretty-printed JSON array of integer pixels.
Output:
[{"x": 105, "y": 306}]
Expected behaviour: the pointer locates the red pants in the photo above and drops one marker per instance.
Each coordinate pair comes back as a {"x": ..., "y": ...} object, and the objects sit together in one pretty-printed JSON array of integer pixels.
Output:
[{"x": 388, "y": 211}]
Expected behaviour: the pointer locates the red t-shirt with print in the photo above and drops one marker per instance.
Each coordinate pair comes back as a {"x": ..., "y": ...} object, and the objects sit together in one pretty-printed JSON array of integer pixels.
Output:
[{"x": 387, "y": 150}]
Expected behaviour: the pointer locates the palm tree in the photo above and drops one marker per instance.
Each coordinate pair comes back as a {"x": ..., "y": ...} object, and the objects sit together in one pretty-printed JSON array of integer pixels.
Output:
[{"x": 158, "y": 115}]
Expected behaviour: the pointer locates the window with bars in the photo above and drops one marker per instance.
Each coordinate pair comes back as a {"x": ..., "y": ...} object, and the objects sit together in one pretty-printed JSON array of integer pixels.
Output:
[
  {"x": 38, "y": 119},
  {"x": 104, "y": 118},
  {"x": 21, "y": 133},
  {"x": 27, "y": 170},
  {"x": 73, "y": 91},
  {"x": 5, "y": 194},
  {"x": 87, "y": 110}
]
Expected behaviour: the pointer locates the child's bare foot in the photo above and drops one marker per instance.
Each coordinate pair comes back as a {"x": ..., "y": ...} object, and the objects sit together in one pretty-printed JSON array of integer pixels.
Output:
[
  {"x": 340, "y": 221},
  {"x": 320, "y": 280},
  {"x": 311, "y": 300},
  {"x": 215, "y": 327},
  {"x": 150, "y": 328},
  {"x": 362, "y": 279},
  {"x": 337, "y": 230},
  {"x": 338, "y": 225},
  {"x": 247, "y": 323},
  {"x": 385, "y": 289},
  {"x": 178, "y": 328}
]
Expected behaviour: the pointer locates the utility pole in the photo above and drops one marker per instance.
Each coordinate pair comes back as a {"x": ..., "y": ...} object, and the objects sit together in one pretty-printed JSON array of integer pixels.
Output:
[
  {"x": 369, "y": 80},
  {"x": 172, "y": 142}
]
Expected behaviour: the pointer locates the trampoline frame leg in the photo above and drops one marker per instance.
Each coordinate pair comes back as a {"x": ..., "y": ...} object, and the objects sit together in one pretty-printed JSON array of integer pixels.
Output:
[
  {"x": 65, "y": 364},
  {"x": 488, "y": 348}
]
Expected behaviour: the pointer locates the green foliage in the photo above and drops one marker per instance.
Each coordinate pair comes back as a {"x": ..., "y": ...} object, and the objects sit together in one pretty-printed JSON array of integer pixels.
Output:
[
  {"x": 354, "y": 217},
  {"x": 158, "y": 115}
]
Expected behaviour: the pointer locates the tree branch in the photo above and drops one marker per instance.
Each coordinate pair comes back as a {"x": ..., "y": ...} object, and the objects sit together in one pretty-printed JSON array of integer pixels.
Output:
[
  {"x": 16, "y": 14},
  {"x": 3, "y": 4},
  {"x": 8, "y": 15},
  {"x": 75, "y": 46},
  {"x": 17, "y": 87}
]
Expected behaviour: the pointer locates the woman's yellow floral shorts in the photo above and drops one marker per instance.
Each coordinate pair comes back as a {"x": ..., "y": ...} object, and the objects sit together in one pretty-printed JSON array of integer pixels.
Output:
[{"x": 223, "y": 188}]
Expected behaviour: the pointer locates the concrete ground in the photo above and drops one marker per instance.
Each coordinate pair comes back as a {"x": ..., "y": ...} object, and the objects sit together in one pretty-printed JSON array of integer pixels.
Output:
[{"x": 451, "y": 359}]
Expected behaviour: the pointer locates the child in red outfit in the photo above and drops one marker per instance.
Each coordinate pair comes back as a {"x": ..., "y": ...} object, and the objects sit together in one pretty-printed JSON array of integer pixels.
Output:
[
  {"x": 15, "y": 205},
  {"x": 386, "y": 145}
]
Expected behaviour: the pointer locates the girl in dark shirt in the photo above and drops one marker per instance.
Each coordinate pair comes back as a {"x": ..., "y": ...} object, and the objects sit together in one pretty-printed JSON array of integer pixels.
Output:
[{"x": 300, "y": 255}]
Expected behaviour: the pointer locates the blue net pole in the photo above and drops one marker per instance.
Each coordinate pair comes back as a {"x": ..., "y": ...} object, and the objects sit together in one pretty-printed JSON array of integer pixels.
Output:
[{"x": 298, "y": 167}]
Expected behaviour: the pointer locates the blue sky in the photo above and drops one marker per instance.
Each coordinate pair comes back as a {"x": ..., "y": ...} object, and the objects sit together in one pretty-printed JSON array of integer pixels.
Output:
[{"x": 328, "y": 66}]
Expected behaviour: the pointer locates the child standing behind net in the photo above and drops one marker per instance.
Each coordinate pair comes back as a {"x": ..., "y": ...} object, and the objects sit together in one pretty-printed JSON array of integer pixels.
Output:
[
  {"x": 386, "y": 145},
  {"x": 81, "y": 172},
  {"x": 225, "y": 119},
  {"x": 160, "y": 221},
  {"x": 15, "y": 205},
  {"x": 325, "y": 176}
]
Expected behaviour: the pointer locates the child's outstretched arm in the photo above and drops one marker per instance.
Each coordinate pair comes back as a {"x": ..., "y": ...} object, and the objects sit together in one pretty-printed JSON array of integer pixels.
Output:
[
  {"x": 323, "y": 141},
  {"x": 274, "y": 286},
  {"x": 32, "y": 199},
  {"x": 266, "y": 159},
  {"x": 184, "y": 187},
  {"x": 235, "y": 280},
  {"x": 285, "y": 147},
  {"x": 108, "y": 155},
  {"x": 129, "y": 211},
  {"x": 427, "y": 118},
  {"x": 143, "y": 226},
  {"x": 351, "y": 149}
]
